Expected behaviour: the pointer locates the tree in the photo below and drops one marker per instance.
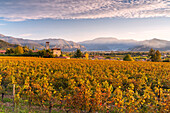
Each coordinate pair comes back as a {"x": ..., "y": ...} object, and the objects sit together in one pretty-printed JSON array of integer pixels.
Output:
[
  {"x": 154, "y": 56},
  {"x": 157, "y": 56},
  {"x": 151, "y": 54},
  {"x": 128, "y": 58},
  {"x": 7, "y": 51},
  {"x": 46, "y": 53},
  {"x": 42, "y": 52},
  {"x": 19, "y": 50},
  {"x": 10, "y": 51},
  {"x": 87, "y": 56},
  {"x": 61, "y": 54},
  {"x": 78, "y": 53},
  {"x": 108, "y": 57},
  {"x": 26, "y": 49}
]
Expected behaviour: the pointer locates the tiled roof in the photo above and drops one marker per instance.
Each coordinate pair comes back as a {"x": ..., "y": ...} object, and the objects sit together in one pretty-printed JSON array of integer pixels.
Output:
[
  {"x": 2, "y": 51},
  {"x": 35, "y": 51}
]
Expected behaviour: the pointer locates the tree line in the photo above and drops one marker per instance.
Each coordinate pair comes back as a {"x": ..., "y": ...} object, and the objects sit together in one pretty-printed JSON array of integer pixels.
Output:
[
  {"x": 153, "y": 55},
  {"x": 25, "y": 51}
]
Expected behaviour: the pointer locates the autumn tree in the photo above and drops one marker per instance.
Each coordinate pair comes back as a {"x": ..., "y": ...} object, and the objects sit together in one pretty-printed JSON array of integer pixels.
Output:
[
  {"x": 26, "y": 49},
  {"x": 10, "y": 51},
  {"x": 19, "y": 50},
  {"x": 46, "y": 53},
  {"x": 128, "y": 58},
  {"x": 151, "y": 54},
  {"x": 87, "y": 56},
  {"x": 155, "y": 56}
]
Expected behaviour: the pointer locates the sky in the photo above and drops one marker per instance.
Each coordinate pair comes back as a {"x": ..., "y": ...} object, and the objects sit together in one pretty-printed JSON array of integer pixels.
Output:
[{"x": 79, "y": 20}]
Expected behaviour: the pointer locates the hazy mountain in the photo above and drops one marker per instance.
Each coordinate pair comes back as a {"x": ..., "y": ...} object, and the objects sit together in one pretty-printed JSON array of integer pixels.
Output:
[
  {"x": 40, "y": 44},
  {"x": 114, "y": 44},
  {"x": 157, "y": 44},
  {"x": 108, "y": 44},
  {"x": 4, "y": 45}
]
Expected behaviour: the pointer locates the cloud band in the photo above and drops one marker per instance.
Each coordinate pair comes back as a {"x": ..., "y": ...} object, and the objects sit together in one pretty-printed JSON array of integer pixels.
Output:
[{"x": 20, "y": 10}]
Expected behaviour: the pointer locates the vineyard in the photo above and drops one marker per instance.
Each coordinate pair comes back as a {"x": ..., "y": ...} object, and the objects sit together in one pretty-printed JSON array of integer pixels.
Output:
[{"x": 78, "y": 85}]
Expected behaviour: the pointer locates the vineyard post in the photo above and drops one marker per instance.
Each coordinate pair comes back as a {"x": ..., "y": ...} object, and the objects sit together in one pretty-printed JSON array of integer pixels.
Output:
[
  {"x": 13, "y": 97},
  {"x": 2, "y": 97},
  {"x": 50, "y": 106},
  {"x": 29, "y": 101}
]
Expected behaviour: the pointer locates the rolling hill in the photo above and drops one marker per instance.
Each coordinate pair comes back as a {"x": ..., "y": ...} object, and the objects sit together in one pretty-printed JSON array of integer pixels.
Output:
[{"x": 4, "y": 45}]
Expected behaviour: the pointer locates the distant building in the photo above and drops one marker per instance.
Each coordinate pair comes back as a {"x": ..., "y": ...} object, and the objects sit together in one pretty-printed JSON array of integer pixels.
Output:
[
  {"x": 56, "y": 51},
  {"x": 35, "y": 51},
  {"x": 2, "y": 51},
  {"x": 47, "y": 45}
]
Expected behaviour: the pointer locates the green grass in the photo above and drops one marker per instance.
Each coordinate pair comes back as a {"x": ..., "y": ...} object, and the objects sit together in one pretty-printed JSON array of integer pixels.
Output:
[
  {"x": 6, "y": 109},
  {"x": 6, "y": 100},
  {"x": 22, "y": 107}
]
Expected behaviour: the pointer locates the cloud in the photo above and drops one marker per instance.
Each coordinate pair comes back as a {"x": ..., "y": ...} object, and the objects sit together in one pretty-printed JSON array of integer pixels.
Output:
[
  {"x": 20, "y": 10},
  {"x": 25, "y": 35}
]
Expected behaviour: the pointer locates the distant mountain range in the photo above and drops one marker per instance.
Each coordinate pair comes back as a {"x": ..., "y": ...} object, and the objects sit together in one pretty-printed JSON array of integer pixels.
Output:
[
  {"x": 40, "y": 44},
  {"x": 156, "y": 44},
  {"x": 98, "y": 44},
  {"x": 114, "y": 44},
  {"x": 107, "y": 44}
]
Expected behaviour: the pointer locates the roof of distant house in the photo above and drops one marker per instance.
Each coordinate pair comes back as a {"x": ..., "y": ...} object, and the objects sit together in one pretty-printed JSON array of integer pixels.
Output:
[
  {"x": 35, "y": 51},
  {"x": 2, "y": 51}
]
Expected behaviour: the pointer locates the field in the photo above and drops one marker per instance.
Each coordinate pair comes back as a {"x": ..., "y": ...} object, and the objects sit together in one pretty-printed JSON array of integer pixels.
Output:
[{"x": 75, "y": 85}]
